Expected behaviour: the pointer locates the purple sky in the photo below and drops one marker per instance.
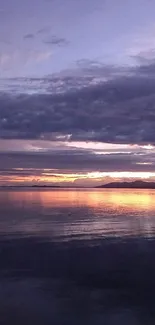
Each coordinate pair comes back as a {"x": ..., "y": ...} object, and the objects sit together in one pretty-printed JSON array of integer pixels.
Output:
[
  {"x": 76, "y": 75},
  {"x": 41, "y": 37}
]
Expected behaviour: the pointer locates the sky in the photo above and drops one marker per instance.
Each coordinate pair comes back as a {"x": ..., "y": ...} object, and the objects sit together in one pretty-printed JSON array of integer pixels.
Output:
[
  {"x": 77, "y": 91},
  {"x": 42, "y": 37}
]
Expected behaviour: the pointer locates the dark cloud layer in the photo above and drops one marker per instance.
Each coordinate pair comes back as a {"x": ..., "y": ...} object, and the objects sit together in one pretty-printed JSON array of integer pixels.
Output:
[
  {"x": 119, "y": 110},
  {"x": 75, "y": 161}
]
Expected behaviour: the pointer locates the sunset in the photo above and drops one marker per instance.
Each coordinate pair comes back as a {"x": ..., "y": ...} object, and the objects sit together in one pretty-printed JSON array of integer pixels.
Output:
[
  {"x": 73, "y": 163},
  {"x": 89, "y": 179},
  {"x": 77, "y": 162}
]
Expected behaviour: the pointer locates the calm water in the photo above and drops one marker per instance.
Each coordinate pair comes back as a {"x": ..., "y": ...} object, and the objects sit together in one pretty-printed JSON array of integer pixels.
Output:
[
  {"x": 77, "y": 257},
  {"x": 65, "y": 214}
]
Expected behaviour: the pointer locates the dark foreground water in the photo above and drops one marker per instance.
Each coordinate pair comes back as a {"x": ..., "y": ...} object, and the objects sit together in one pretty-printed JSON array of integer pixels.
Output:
[{"x": 77, "y": 257}]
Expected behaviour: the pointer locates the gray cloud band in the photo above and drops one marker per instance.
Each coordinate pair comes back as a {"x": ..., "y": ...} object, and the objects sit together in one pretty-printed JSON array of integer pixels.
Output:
[{"x": 121, "y": 109}]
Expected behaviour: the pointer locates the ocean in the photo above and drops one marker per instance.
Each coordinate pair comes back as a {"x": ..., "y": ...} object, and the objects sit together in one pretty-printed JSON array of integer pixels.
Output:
[{"x": 77, "y": 256}]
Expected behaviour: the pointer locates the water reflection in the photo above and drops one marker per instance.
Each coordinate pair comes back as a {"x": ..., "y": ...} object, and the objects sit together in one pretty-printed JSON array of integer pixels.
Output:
[
  {"x": 135, "y": 199},
  {"x": 65, "y": 213},
  {"x": 54, "y": 280}
]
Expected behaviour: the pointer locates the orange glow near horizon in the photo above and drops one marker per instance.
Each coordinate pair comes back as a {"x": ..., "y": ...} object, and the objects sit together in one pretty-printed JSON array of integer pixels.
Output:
[{"x": 47, "y": 176}]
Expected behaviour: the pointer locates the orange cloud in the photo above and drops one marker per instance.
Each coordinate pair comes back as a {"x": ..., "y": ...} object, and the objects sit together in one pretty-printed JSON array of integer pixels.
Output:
[{"x": 83, "y": 179}]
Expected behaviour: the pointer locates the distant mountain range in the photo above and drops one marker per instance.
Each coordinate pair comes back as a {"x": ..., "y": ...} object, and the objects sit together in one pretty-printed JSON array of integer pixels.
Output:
[{"x": 135, "y": 184}]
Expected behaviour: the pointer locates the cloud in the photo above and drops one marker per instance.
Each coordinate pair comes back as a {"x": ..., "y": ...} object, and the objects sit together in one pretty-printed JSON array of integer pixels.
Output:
[
  {"x": 32, "y": 160},
  {"x": 44, "y": 30},
  {"x": 57, "y": 41},
  {"x": 142, "y": 43},
  {"x": 28, "y": 36},
  {"x": 105, "y": 72},
  {"x": 118, "y": 110},
  {"x": 64, "y": 159},
  {"x": 145, "y": 58}
]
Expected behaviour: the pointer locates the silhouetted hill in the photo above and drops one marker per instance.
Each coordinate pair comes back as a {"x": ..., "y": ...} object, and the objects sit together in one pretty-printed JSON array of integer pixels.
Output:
[{"x": 135, "y": 184}]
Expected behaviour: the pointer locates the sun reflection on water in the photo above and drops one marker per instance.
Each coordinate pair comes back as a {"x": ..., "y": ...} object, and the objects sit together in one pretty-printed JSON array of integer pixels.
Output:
[
  {"x": 135, "y": 199},
  {"x": 66, "y": 213}
]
